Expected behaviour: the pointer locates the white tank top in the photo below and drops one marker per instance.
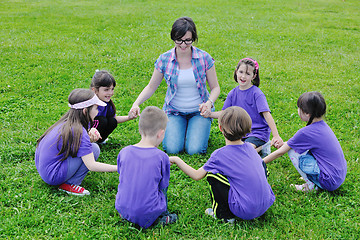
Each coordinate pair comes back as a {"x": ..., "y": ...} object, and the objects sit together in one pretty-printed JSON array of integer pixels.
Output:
[{"x": 187, "y": 97}]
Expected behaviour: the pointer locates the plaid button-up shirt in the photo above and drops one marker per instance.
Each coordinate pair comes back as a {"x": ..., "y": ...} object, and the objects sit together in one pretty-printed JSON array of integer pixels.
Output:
[{"x": 167, "y": 64}]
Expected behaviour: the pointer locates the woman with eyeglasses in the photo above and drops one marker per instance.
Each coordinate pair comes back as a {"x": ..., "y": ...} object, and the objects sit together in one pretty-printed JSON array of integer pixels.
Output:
[{"x": 187, "y": 70}]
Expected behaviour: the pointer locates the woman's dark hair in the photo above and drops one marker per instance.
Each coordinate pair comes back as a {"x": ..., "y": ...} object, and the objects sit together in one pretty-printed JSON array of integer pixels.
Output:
[
  {"x": 73, "y": 123},
  {"x": 181, "y": 26},
  {"x": 312, "y": 103},
  {"x": 103, "y": 79},
  {"x": 255, "y": 65}
]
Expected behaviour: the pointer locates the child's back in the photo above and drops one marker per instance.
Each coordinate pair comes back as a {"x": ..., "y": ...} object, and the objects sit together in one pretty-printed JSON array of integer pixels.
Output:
[
  {"x": 250, "y": 195},
  {"x": 321, "y": 141},
  {"x": 144, "y": 172}
]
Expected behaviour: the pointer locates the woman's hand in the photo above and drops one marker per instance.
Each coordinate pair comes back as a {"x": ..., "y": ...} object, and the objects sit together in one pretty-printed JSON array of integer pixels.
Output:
[
  {"x": 134, "y": 112},
  {"x": 94, "y": 135},
  {"x": 205, "y": 109}
]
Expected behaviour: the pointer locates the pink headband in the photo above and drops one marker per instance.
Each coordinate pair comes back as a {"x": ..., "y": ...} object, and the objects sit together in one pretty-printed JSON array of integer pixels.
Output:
[
  {"x": 252, "y": 60},
  {"x": 94, "y": 100}
]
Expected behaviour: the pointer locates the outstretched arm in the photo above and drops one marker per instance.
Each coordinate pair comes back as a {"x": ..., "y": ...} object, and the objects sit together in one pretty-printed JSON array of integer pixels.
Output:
[
  {"x": 146, "y": 93},
  {"x": 276, "y": 140},
  {"x": 191, "y": 172},
  {"x": 121, "y": 119},
  {"x": 92, "y": 165},
  {"x": 212, "y": 80},
  {"x": 278, "y": 153}
]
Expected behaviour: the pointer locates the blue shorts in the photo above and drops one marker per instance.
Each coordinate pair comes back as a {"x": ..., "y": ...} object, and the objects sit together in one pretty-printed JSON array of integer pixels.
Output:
[
  {"x": 254, "y": 140},
  {"x": 309, "y": 165}
]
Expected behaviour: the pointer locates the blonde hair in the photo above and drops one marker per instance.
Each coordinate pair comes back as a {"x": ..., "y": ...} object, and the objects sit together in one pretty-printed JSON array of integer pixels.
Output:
[
  {"x": 152, "y": 119},
  {"x": 235, "y": 123}
]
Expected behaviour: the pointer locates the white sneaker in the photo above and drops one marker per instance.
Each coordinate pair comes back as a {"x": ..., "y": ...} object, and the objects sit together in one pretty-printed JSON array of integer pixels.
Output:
[{"x": 265, "y": 149}]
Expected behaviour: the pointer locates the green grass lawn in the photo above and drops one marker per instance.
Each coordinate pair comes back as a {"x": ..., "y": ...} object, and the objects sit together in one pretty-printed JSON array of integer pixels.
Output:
[{"x": 49, "y": 47}]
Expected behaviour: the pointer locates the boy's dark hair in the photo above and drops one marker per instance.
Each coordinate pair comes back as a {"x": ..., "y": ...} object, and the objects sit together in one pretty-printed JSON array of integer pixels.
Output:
[
  {"x": 255, "y": 65},
  {"x": 312, "y": 103},
  {"x": 181, "y": 26},
  {"x": 235, "y": 123},
  {"x": 152, "y": 119}
]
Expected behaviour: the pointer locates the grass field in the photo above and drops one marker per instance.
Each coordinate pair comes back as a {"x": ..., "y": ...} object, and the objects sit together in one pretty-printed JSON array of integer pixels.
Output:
[{"x": 49, "y": 47}]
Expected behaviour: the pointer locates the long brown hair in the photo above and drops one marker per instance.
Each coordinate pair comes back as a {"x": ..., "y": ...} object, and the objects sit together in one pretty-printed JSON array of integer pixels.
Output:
[{"x": 73, "y": 123}]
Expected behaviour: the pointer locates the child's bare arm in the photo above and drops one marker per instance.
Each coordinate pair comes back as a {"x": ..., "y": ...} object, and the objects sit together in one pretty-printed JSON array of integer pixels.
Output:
[
  {"x": 276, "y": 141},
  {"x": 188, "y": 170},
  {"x": 121, "y": 119},
  {"x": 278, "y": 153},
  {"x": 212, "y": 115}
]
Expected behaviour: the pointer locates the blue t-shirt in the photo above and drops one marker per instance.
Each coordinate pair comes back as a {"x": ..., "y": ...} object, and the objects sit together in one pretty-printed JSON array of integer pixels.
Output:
[
  {"x": 144, "y": 173},
  {"x": 250, "y": 194},
  {"x": 47, "y": 161},
  {"x": 254, "y": 102},
  {"x": 321, "y": 141}
]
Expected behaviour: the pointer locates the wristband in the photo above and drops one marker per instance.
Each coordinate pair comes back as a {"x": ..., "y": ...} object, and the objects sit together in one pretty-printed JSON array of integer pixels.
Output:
[{"x": 212, "y": 102}]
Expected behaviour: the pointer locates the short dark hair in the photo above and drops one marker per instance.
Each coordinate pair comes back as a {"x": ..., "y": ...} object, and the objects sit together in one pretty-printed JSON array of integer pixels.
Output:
[
  {"x": 181, "y": 26},
  {"x": 312, "y": 103},
  {"x": 235, "y": 123}
]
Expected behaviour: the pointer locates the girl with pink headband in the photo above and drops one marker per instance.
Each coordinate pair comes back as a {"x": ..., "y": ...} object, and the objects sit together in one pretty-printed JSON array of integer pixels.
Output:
[
  {"x": 248, "y": 96},
  {"x": 67, "y": 150}
]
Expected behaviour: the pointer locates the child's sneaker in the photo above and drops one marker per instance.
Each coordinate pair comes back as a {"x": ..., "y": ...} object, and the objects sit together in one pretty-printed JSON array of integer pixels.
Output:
[
  {"x": 168, "y": 219},
  {"x": 103, "y": 142},
  {"x": 73, "y": 189},
  {"x": 230, "y": 221},
  {"x": 265, "y": 149},
  {"x": 210, "y": 212}
]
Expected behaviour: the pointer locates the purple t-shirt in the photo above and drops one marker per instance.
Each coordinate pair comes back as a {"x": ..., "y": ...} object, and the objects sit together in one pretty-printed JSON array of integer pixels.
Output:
[
  {"x": 47, "y": 161},
  {"x": 321, "y": 141},
  {"x": 106, "y": 111},
  {"x": 250, "y": 194},
  {"x": 144, "y": 172},
  {"x": 254, "y": 102}
]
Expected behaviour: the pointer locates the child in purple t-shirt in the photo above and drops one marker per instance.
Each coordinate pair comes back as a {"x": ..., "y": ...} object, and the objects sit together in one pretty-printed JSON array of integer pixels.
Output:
[
  {"x": 103, "y": 84},
  {"x": 249, "y": 97},
  {"x": 144, "y": 174},
  {"x": 314, "y": 150},
  {"x": 235, "y": 172},
  {"x": 66, "y": 151}
]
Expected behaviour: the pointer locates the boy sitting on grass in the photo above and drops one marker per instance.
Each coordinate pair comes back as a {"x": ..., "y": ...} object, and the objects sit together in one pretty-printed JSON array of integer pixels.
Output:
[
  {"x": 235, "y": 172},
  {"x": 144, "y": 174}
]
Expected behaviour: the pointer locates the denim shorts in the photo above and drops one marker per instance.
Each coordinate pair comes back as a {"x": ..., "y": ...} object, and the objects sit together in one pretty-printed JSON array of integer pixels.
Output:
[
  {"x": 254, "y": 140},
  {"x": 309, "y": 165}
]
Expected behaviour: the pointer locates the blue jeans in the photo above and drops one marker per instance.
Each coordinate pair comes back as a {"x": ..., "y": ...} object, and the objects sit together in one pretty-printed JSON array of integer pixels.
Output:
[
  {"x": 77, "y": 170},
  {"x": 187, "y": 130},
  {"x": 309, "y": 165}
]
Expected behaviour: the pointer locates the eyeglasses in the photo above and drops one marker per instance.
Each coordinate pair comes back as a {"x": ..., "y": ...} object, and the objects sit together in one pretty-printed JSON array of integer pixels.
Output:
[{"x": 186, "y": 41}]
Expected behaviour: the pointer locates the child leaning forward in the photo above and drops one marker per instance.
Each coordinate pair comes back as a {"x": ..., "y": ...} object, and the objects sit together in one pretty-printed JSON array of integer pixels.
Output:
[
  {"x": 235, "y": 172},
  {"x": 144, "y": 174}
]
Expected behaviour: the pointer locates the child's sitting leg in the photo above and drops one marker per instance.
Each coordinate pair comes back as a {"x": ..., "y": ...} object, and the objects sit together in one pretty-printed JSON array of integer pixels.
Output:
[
  {"x": 307, "y": 167},
  {"x": 219, "y": 191}
]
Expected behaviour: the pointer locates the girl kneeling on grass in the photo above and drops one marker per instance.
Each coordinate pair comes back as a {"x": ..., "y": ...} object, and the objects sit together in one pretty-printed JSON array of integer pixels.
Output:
[
  {"x": 314, "y": 150},
  {"x": 239, "y": 187},
  {"x": 65, "y": 152}
]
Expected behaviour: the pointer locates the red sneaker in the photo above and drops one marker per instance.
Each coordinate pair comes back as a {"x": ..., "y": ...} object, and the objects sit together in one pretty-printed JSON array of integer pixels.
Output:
[{"x": 73, "y": 189}]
